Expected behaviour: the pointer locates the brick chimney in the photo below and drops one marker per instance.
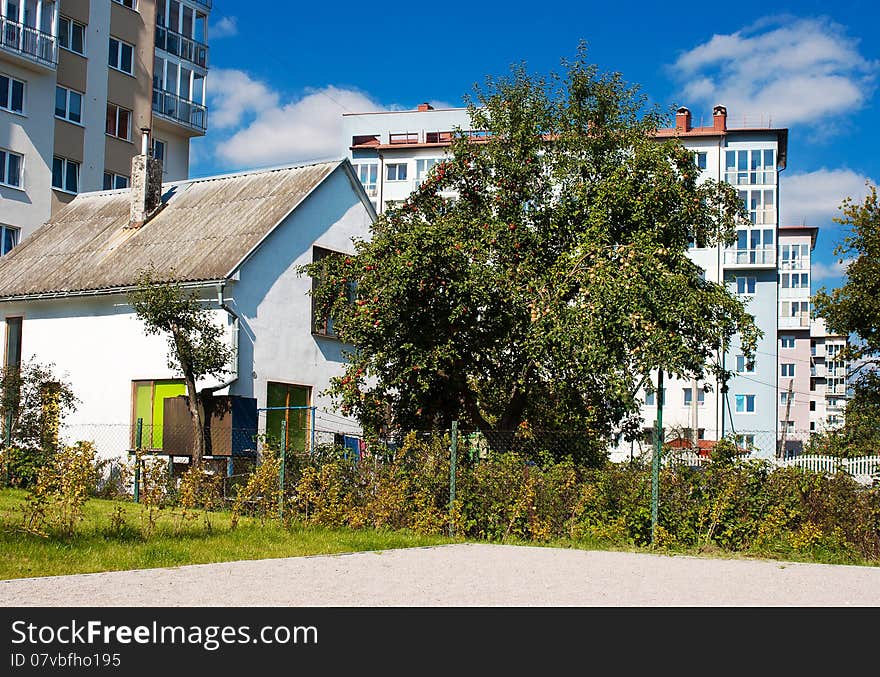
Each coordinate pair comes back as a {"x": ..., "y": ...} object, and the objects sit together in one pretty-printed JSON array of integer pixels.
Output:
[
  {"x": 682, "y": 120},
  {"x": 425, "y": 106},
  {"x": 146, "y": 184},
  {"x": 719, "y": 119}
]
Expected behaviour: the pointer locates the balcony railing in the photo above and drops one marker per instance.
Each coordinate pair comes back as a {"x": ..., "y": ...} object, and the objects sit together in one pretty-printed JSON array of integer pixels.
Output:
[
  {"x": 182, "y": 46},
  {"x": 750, "y": 257},
  {"x": 180, "y": 110},
  {"x": 29, "y": 42},
  {"x": 795, "y": 264},
  {"x": 797, "y": 322}
]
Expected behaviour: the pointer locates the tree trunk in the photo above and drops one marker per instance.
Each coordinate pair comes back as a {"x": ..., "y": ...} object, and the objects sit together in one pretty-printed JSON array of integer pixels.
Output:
[{"x": 196, "y": 412}]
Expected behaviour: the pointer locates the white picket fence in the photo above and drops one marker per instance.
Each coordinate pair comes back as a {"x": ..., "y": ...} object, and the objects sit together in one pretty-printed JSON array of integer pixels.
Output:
[{"x": 863, "y": 469}]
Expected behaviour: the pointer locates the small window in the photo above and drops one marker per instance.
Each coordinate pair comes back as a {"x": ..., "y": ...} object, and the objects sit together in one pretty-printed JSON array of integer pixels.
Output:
[
  {"x": 395, "y": 172},
  {"x": 160, "y": 150},
  {"x": 118, "y": 121},
  {"x": 651, "y": 400},
  {"x": 8, "y": 238},
  {"x": 784, "y": 399},
  {"x": 72, "y": 35},
  {"x": 744, "y": 366},
  {"x": 689, "y": 398},
  {"x": 745, "y": 404},
  {"x": 812, "y": 405},
  {"x": 745, "y": 286},
  {"x": 786, "y": 342},
  {"x": 121, "y": 56},
  {"x": 114, "y": 181},
  {"x": 68, "y": 104},
  {"x": 12, "y": 352},
  {"x": 11, "y": 165},
  {"x": 700, "y": 159},
  {"x": 11, "y": 94},
  {"x": 65, "y": 174},
  {"x": 786, "y": 369}
]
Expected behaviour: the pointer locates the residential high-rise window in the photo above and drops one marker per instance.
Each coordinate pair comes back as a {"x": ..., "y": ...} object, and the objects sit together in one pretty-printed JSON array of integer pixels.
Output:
[
  {"x": 395, "y": 171},
  {"x": 11, "y": 94},
  {"x": 650, "y": 397},
  {"x": 745, "y": 285},
  {"x": 11, "y": 165},
  {"x": 760, "y": 204},
  {"x": 368, "y": 174},
  {"x": 113, "y": 181},
  {"x": 68, "y": 104},
  {"x": 795, "y": 256},
  {"x": 745, "y": 404},
  {"x": 750, "y": 167},
  {"x": 700, "y": 159},
  {"x": 8, "y": 238},
  {"x": 121, "y": 56},
  {"x": 72, "y": 35},
  {"x": 688, "y": 396},
  {"x": 786, "y": 341},
  {"x": 812, "y": 405},
  {"x": 786, "y": 369},
  {"x": 118, "y": 121},
  {"x": 65, "y": 174},
  {"x": 784, "y": 398},
  {"x": 794, "y": 280},
  {"x": 744, "y": 366}
]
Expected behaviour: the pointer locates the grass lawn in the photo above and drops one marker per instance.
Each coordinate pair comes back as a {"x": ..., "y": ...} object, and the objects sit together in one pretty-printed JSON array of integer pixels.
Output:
[{"x": 94, "y": 548}]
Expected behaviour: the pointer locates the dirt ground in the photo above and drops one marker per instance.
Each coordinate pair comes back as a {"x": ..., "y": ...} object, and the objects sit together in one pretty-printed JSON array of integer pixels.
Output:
[{"x": 463, "y": 575}]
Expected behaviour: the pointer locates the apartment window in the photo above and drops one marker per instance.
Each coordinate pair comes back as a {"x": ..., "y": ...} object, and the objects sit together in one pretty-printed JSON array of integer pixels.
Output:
[
  {"x": 12, "y": 353},
  {"x": 744, "y": 366},
  {"x": 700, "y": 159},
  {"x": 787, "y": 426},
  {"x": 72, "y": 35},
  {"x": 113, "y": 181},
  {"x": 148, "y": 404},
  {"x": 11, "y": 165},
  {"x": 812, "y": 426},
  {"x": 288, "y": 404},
  {"x": 8, "y": 238},
  {"x": 794, "y": 280},
  {"x": 760, "y": 204},
  {"x": 368, "y": 174},
  {"x": 65, "y": 174},
  {"x": 118, "y": 121},
  {"x": 786, "y": 369},
  {"x": 651, "y": 400},
  {"x": 11, "y": 94},
  {"x": 424, "y": 166},
  {"x": 688, "y": 396},
  {"x": 812, "y": 405},
  {"x": 68, "y": 104},
  {"x": 784, "y": 399},
  {"x": 121, "y": 56},
  {"x": 799, "y": 309},
  {"x": 745, "y": 285},
  {"x": 131, "y": 4},
  {"x": 786, "y": 341},
  {"x": 395, "y": 172},
  {"x": 795, "y": 255},
  {"x": 160, "y": 150},
  {"x": 745, "y": 441},
  {"x": 745, "y": 404},
  {"x": 755, "y": 167}
]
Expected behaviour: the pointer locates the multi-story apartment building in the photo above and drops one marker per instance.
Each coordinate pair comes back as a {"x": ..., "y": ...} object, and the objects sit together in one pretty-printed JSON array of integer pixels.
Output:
[
  {"x": 828, "y": 378},
  {"x": 393, "y": 151},
  {"x": 78, "y": 80}
]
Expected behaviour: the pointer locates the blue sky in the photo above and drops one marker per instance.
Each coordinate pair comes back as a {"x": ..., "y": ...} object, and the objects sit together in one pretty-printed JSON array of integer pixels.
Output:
[{"x": 281, "y": 78}]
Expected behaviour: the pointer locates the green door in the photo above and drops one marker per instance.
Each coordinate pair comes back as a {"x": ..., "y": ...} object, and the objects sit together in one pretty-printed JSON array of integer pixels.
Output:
[{"x": 298, "y": 420}]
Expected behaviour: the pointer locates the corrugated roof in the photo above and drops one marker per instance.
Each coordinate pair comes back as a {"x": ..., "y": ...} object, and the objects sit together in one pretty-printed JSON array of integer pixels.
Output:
[{"x": 205, "y": 230}]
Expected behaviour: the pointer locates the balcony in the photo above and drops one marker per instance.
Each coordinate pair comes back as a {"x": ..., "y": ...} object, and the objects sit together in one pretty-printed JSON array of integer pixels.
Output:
[
  {"x": 750, "y": 258},
  {"x": 203, "y": 3},
  {"x": 31, "y": 45},
  {"x": 187, "y": 113},
  {"x": 795, "y": 264},
  {"x": 179, "y": 45},
  {"x": 797, "y": 322}
]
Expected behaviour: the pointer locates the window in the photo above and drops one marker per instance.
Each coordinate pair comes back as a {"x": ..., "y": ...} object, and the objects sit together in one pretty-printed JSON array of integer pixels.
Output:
[
  {"x": 323, "y": 325},
  {"x": 795, "y": 256},
  {"x": 745, "y": 441},
  {"x": 744, "y": 366},
  {"x": 799, "y": 309},
  {"x": 72, "y": 35},
  {"x": 113, "y": 181},
  {"x": 760, "y": 205},
  {"x": 148, "y": 404},
  {"x": 689, "y": 398},
  {"x": 68, "y": 104},
  {"x": 11, "y": 165},
  {"x": 8, "y": 239},
  {"x": 650, "y": 400},
  {"x": 160, "y": 151},
  {"x": 368, "y": 174},
  {"x": 812, "y": 426},
  {"x": 131, "y": 4},
  {"x": 121, "y": 56},
  {"x": 784, "y": 399},
  {"x": 12, "y": 352},
  {"x": 786, "y": 369},
  {"x": 118, "y": 121},
  {"x": 745, "y": 404},
  {"x": 11, "y": 94},
  {"x": 424, "y": 166},
  {"x": 787, "y": 426},
  {"x": 288, "y": 416},
  {"x": 756, "y": 167},
  {"x": 812, "y": 405},
  {"x": 745, "y": 285},
  {"x": 794, "y": 280},
  {"x": 786, "y": 341},
  {"x": 65, "y": 174},
  {"x": 396, "y": 172},
  {"x": 700, "y": 159}
]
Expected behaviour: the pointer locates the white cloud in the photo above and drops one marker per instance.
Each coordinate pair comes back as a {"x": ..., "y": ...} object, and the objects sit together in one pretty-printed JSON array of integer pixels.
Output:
[
  {"x": 783, "y": 70},
  {"x": 261, "y": 129},
  {"x": 226, "y": 27},
  {"x": 814, "y": 198},
  {"x": 833, "y": 271}
]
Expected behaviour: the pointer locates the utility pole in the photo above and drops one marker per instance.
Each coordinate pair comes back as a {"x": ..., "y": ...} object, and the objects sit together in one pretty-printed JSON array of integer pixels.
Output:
[
  {"x": 781, "y": 452},
  {"x": 655, "y": 463}
]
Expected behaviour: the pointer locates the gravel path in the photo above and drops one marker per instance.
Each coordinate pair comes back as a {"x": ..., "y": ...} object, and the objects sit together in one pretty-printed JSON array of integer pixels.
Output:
[{"x": 463, "y": 575}]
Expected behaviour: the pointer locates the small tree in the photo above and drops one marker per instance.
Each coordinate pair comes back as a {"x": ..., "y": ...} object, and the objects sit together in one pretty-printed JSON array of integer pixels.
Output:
[{"x": 195, "y": 341}]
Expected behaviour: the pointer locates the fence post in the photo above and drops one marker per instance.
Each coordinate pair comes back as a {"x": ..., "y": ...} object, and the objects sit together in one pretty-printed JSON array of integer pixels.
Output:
[
  {"x": 452, "y": 459},
  {"x": 281, "y": 472},
  {"x": 655, "y": 463},
  {"x": 138, "y": 438},
  {"x": 314, "y": 412}
]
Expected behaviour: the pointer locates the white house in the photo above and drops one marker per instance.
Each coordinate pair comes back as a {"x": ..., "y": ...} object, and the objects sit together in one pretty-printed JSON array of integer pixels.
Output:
[{"x": 236, "y": 240}]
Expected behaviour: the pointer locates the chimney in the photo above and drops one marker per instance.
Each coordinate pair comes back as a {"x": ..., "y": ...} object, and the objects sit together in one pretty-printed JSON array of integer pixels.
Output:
[
  {"x": 146, "y": 184},
  {"x": 719, "y": 119},
  {"x": 682, "y": 120},
  {"x": 425, "y": 106}
]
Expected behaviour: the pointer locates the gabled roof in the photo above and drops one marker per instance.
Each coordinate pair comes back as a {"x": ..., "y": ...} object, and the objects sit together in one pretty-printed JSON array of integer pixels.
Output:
[{"x": 205, "y": 230}]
